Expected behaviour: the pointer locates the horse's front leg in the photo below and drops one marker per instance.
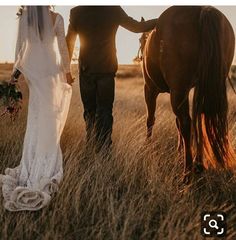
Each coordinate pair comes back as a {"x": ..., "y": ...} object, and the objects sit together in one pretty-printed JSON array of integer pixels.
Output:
[
  {"x": 150, "y": 98},
  {"x": 180, "y": 138}
]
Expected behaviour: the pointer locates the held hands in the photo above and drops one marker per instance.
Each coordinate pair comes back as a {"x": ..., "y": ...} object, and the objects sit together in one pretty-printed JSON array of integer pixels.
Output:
[{"x": 69, "y": 78}]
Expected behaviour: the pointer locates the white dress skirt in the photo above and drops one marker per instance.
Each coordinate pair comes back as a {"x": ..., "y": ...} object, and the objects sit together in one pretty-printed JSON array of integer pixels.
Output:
[{"x": 30, "y": 185}]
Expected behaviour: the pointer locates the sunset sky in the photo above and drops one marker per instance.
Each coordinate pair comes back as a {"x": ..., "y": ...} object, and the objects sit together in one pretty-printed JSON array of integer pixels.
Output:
[{"x": 126, "y": 42}]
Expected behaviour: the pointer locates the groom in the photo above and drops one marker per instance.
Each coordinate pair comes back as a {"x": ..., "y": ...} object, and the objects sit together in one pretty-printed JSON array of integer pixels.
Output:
[{"x": 97, "y": 27}]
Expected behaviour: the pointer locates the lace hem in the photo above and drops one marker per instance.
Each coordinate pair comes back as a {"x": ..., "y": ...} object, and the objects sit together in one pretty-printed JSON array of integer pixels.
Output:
[{"x": 21, "y": 198}]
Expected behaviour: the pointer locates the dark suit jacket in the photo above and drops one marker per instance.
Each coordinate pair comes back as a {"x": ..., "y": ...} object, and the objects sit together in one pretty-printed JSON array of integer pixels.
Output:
[{"x": 97, "y": 27}]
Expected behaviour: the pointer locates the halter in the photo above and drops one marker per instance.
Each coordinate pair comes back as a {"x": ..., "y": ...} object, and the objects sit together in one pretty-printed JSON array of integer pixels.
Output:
[{"x": 142, "y": 43}]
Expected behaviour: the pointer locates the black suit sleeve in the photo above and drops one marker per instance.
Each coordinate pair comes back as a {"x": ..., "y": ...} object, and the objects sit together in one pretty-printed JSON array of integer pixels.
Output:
[{"x": 133, "y": 25}]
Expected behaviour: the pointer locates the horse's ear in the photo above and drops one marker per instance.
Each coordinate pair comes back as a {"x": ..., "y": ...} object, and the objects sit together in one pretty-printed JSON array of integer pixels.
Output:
[{"x": 142, "y": 19}]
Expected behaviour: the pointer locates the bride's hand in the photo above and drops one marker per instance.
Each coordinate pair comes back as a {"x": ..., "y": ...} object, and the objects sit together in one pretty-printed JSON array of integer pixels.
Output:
[
  {"x": 12, "y": 79},
  {"x": 69, "y": 78},
  {"x": 14, "y": 76}
]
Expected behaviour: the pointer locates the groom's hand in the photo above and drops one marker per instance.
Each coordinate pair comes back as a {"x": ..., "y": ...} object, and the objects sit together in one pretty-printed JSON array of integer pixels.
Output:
[{"x": 69, "y": 78}]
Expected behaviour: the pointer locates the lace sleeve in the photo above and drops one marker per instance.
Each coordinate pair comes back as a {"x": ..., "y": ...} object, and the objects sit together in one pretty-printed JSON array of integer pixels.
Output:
[
  {"x": 21, "y": 40},
  {"x": 63, "y": 49},
  {"x": 18, "y": 41}
]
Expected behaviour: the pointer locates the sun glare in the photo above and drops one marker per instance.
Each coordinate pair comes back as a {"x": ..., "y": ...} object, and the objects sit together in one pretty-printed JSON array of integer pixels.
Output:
[{"x": 127, "y": 43}]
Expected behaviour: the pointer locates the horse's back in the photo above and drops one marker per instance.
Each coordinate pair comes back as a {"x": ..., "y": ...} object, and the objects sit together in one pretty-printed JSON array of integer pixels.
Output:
[
  {"x": 179, "y": 30},
  {"x": 173, "y": 48},
  {"x": 178, "y": 34}
]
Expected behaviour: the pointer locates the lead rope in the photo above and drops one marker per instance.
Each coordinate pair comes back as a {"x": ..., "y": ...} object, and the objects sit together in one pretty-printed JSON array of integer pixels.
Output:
[{"x": 138, "y": 57}]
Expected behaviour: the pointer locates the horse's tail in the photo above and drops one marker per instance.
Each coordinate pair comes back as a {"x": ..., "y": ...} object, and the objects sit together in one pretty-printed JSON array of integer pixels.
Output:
[{"x": 210, "y": 105}]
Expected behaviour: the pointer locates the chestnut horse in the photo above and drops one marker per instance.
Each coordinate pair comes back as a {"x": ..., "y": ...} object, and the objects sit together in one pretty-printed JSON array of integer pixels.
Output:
[{"x": 192, "y": 46}]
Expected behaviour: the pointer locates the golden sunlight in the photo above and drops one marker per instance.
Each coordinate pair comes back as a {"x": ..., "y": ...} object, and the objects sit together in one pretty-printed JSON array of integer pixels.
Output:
[{"x": 127, "y": 43}]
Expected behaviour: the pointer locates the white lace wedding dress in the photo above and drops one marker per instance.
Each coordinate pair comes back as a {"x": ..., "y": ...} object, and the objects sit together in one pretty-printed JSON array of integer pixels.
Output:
[{"x": 30, "y": 185}]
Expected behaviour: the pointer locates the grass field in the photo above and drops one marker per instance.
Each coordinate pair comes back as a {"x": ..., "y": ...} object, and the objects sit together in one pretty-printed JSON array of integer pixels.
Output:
[{"x": 136, "y": 193}]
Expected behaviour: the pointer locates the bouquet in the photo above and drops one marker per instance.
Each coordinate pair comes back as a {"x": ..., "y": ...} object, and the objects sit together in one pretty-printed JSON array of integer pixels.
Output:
[{"x": 10, "y": 99}]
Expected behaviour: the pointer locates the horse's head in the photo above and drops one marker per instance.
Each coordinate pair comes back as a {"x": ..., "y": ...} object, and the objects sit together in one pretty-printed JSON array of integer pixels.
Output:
[
  {"x": 143, "y": 38},
  {"x": 142, "y": 42}
]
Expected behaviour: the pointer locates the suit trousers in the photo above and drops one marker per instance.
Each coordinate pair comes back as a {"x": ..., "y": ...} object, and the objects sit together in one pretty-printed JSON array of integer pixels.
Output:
[{"x": 97, "y": 94}]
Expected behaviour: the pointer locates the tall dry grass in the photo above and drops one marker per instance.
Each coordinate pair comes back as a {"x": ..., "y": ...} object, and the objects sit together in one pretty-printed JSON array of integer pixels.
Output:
[{"x": 135, "y": 192}]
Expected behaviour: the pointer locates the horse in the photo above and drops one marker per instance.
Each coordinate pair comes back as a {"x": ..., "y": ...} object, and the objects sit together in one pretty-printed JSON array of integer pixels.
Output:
[{"x": 192, "y": 47}]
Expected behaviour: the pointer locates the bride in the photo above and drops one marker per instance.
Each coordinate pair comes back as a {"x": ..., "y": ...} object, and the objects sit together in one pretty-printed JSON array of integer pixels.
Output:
[{"x": 42, "y": 57}]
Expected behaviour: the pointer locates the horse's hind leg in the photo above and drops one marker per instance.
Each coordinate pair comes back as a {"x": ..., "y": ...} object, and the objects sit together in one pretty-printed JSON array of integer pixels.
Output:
[
  {"x": 180, "y": 138},
  {"x": 150, "y": 98},
  {"x": 180, "y": 106},
  {"x": 198, "y": 165}
]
